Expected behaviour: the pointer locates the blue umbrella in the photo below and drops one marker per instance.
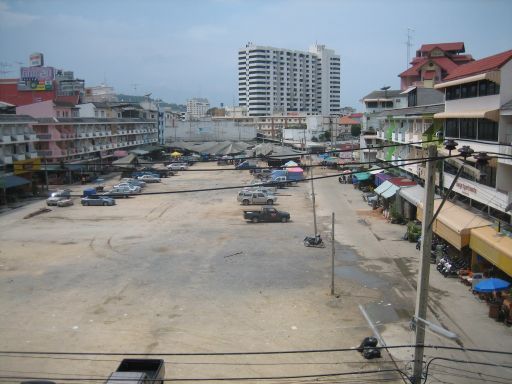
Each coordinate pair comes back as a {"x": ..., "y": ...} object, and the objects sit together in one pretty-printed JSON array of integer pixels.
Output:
[{"x": 492, "y": 285}]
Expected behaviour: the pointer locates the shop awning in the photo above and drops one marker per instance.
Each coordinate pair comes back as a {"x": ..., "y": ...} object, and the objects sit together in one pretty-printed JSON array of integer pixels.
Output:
[
  {"x": 120, "y": 153},
  {"x": 361, "y": 176},
  {"x": 125, "y": 161},
  {"x": 382, "y": 177},
  {"x": 382, "y": 188},
  {"x": 454, "y": 223},
  {"x": 12, "y": 181},
  {"x": 414, "y": 194},
  {"x": 390, "y": 192},
  {"x": 493, "y": 76},
  {"x": 139, "y": 152},
  {"x": 493, "y": 115},
  {"x": 493, "y": 246}
]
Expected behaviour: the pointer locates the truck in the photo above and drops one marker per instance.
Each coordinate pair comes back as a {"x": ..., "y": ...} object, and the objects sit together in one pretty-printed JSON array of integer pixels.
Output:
[
  {"x": 247, "y": 164},
  {"x": 138, "y": 371},
  {"x": 267, "y": 214},
  {"x": 253, "y": 197}
]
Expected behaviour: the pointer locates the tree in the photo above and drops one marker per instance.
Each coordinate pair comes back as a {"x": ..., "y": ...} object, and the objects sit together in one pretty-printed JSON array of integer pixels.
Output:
[{"x": 355, "y": 130}]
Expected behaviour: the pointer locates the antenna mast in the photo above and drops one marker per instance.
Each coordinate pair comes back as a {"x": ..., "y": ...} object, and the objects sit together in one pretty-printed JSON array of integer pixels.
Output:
[{"x": 409, "y": 45}]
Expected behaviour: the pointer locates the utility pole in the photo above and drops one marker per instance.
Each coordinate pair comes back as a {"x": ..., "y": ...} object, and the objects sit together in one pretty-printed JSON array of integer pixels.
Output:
[
  {"x": 424, "y": 268},
  {"x": 313, "y": 192},
  {"x": 46, "y": 173},
  {"x": 332, "y": 256}
]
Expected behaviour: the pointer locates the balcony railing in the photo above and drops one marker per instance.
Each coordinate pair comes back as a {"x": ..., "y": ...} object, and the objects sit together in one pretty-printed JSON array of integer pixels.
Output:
[
  {"x": 18, "y": 137},
  {"x": 5, "y": 139},
  {"x": 45, "y": 153},
  {"x": 7, "y": 159}
]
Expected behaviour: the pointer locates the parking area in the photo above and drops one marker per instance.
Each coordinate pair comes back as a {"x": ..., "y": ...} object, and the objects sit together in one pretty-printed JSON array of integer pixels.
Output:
[{"x": 172, "y": 273}]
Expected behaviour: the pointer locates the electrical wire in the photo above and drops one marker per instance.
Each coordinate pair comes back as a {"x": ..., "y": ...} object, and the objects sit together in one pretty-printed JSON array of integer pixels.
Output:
[
  {"x": 462, "y": 362},
  {"x": 251, "y": 353},
  {"x": 247, "y": 378}
]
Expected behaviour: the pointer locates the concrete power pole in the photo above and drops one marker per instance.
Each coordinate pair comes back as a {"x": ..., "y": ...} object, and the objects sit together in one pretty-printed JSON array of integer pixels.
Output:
[{"x": 424, "y": 268}]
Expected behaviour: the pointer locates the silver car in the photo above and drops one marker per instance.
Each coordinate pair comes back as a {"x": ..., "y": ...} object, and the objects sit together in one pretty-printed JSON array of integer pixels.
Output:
[
  {"x": 97, "y": 200},
  {"x": 249, "y": 197}
]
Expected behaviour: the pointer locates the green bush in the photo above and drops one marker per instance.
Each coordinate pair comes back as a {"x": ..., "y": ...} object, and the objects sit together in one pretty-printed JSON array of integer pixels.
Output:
[{"x": 413, "y": 232}]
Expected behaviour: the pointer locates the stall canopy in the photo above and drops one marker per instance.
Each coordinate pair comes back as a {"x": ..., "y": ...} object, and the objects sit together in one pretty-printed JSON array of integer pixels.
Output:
[
  {"x": 493, "y": 246},
  {"x": 382, "y": 188},
  {"x": 125, "y": 161},
  {"x": 454, "y": 223},
  {"x": 140, "y": 152},
  {"x": 387, "y": 189},
  {"x": 12, "y": 181},
  {"x": 382, "y": 177},
  {"x": 361, "y": 176}
]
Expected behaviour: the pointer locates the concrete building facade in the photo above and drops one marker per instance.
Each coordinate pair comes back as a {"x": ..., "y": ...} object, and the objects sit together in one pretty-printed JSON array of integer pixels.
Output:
[{"x": 197, "y": 108}]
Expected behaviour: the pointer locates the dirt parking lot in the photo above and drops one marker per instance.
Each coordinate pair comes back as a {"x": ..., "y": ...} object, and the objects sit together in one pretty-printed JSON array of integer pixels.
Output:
[{"x": 173, "y": 273}]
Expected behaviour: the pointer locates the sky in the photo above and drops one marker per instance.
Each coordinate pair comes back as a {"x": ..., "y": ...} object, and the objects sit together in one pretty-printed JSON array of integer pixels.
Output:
[{"x": 180, "y": 49}]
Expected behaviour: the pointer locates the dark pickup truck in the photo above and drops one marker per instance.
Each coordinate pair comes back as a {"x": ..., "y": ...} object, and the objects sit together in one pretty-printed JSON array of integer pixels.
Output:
[
  {"x": 267, "y": 214},
  {"x": 139, "y": 371}
]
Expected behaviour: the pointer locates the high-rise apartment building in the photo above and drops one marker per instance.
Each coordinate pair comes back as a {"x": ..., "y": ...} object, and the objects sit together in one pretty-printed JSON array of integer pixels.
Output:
[
  {"x": 277, "y": 81},
  {"x": 197, "y": 108}
]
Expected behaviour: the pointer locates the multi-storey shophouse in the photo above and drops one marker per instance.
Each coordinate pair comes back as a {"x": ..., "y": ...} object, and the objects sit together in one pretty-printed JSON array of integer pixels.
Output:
[{"x": 478, "y": 114}]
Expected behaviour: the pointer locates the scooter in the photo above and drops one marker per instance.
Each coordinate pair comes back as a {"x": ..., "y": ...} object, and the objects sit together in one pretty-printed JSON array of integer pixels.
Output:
[{"x": 315, "y": 241}]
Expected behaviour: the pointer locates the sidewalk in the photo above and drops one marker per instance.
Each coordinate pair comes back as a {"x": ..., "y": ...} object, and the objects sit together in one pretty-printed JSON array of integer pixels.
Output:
[{"x": 387, "y": 263}]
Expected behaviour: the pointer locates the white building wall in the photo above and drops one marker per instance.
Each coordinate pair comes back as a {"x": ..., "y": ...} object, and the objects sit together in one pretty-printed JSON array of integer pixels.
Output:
[
  {"x": 506, "y": 83},
  {"x": 86, "y": 110}
]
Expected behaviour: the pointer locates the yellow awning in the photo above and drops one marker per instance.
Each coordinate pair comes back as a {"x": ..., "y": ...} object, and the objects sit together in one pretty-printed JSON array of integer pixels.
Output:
[
  {"x": 454, "y": 223},
  {"x": 493, "y": 76},
  {"x": 492, "y": 246},
  {"x": 493, "y": 115}
]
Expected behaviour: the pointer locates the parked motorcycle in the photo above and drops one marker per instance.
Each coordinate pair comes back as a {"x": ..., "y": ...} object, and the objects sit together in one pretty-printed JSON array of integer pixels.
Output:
[{"x": 314, "y": 241}]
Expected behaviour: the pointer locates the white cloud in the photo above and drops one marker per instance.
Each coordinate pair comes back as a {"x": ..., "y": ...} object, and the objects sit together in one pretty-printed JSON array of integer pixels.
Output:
[{"x": 9, "y": 18}]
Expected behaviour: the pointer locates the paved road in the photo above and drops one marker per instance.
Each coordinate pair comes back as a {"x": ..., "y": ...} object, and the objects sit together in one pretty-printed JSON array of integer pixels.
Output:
[{"x": 371, "y": 255}]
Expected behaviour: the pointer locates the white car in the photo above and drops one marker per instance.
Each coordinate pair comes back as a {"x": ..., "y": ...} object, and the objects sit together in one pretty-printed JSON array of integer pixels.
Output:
[
  {"x": 135, "y": 182},
  {"x": 149, "y": 179},
  {"x": 129, "y": 187},
  {"x": 178, "y": 166}
]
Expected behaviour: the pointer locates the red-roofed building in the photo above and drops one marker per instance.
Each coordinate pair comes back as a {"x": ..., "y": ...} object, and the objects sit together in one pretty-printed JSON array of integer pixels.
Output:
[
  {"x": 478, "y": 113},
  {"x": 433, "y": 62}
]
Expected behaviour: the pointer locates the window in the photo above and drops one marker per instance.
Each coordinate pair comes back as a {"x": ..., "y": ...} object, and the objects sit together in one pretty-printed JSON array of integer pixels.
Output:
[
  {"x": 452, "y": 128},
  {"x": 487, "y": 130},
  {"x": 468, "y": 128}
]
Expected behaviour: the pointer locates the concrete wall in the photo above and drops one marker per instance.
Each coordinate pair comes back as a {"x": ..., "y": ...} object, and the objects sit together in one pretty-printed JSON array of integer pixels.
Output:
[{"x": 209, "y": 130}]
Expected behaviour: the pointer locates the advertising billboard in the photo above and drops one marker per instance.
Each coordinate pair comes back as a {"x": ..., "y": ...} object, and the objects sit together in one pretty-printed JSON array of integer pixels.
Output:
[
  {"x": 36, "y": 59},
  {"x": 36, "y": 78}
]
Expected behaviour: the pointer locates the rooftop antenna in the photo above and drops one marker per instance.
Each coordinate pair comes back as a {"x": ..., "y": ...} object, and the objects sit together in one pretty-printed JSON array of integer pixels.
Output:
[
  {"x": 134, "y": 87},
  {"x": 409, "y": 45}
]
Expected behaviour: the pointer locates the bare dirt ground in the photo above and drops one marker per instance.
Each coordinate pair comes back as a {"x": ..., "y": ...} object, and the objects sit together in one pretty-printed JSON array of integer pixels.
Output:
[{"x": 178, "y": 273}]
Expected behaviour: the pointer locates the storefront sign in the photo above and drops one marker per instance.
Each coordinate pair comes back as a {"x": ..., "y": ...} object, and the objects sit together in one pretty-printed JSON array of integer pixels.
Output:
[
  {"x": 25, "y": 166},
  {"x": 465, "y": 188}
]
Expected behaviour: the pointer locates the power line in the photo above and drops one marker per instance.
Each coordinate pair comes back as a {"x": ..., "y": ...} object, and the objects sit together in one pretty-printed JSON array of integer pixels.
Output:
[
  {"x": 320, "y": 375},
  {"x": 462, "y": 362},
  {"x": 249, "y": 353}
]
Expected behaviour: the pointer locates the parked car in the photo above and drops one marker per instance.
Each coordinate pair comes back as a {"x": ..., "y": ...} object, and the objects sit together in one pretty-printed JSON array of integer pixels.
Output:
[
  {"x": 119, "y": 192},
  {"x": 128, "y": 186},
  {"x": 55, "y": 197},
  {"x": 97, "y": 200},
  {"x": 267, "y": 190},
  {"x": 65, "y": 203},
  {"x": 247, "y": 164},
  {"x": 247, "y": 198},
  {"x": 267, "y": 214},
  {"x": 178, "y": 166},
  {"x": 149, "y": 178},
  {"x": 138, "y": 183}
]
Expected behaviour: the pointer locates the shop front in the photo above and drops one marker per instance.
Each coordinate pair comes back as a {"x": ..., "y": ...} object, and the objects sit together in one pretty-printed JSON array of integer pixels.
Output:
[
  {"x": 493, "y": 246},
  {"x": 454, "y": 223}
]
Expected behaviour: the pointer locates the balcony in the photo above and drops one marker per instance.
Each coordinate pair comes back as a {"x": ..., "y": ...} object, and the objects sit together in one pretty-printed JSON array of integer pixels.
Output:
[
  {"x": 18, "y": 137},
  {"x": 32, "y": 155},
  {"x": 7, "y": 159},
  {"x": 19, "y": 156},
  {"x": 45, "y": 153},
  {"x": 44, "y": 136},
  {"x": 30, "y": 136},
  {"x": 5, "y": 139}
]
